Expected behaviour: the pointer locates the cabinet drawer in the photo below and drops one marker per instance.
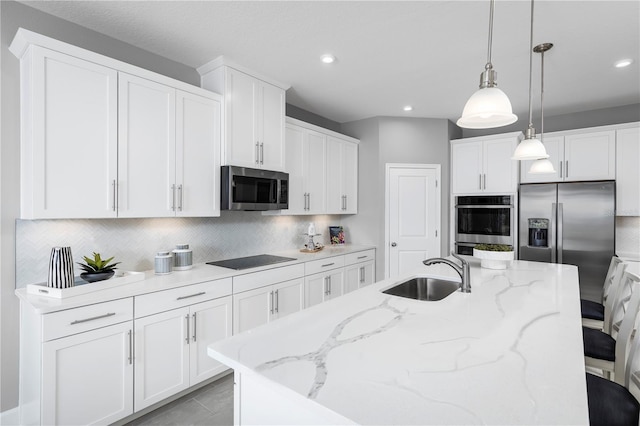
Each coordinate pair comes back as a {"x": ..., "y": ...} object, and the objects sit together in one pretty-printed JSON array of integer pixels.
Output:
[
  {"x": 78, "y": 320},
  {"x": 325, "y": 264},
  {"x": 361, "y": 256},
  {"x": 270, "y": 276},
  {"x": 161, "y": 301}
]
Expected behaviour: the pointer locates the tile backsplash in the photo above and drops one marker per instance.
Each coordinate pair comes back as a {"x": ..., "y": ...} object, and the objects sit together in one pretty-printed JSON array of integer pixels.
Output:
[{"x": 134, "y": 242}]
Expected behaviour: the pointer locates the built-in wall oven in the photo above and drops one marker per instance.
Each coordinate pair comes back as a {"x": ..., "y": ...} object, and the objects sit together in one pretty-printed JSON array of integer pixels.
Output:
[{"x": 488, "y": 219}]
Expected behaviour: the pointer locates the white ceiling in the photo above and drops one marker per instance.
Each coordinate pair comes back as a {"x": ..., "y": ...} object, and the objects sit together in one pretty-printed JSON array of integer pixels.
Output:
[{"x": 428, "y": 54}]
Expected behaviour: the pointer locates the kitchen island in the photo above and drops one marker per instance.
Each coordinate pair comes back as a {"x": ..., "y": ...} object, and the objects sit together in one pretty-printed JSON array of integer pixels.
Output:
[{"x": 509, "y": 352}]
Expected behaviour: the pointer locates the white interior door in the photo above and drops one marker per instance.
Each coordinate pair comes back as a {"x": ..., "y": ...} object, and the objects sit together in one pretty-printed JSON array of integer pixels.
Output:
[{"x": 412, "y": 216}]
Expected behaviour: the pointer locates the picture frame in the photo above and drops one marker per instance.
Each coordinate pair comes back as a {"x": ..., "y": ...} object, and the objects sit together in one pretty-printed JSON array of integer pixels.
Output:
[{"x": 336, "y": 235}]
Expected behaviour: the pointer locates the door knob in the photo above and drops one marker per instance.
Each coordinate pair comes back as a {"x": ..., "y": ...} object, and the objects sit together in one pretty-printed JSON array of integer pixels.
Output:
[{"x": 393, "y": 244}]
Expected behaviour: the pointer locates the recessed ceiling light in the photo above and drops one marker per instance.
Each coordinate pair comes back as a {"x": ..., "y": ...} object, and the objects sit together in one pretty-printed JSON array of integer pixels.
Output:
[
  {"x": 623, "y": 63},
  {"x": 408, "y": 108},
  {"x": 328, "y": 58}
]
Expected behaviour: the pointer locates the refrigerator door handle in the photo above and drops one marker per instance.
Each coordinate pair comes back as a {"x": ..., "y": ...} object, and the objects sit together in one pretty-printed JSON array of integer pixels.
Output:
[
  {"x": 552, "y": 239},
  {"x": 560, "y": 219}
]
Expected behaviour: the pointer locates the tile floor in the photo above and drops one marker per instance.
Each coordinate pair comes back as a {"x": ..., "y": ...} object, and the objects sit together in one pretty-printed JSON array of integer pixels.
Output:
[{"x": 211, "y": 405}]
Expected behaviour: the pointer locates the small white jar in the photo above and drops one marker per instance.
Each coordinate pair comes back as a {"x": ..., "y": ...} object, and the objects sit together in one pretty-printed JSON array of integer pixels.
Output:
[
  {"x": 163, "y": 263},
  {"x": 182, "y": 257}
]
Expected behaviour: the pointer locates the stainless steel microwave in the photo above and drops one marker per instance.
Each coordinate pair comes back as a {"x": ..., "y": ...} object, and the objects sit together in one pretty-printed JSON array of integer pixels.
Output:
[{"x": 243, "y": 188}]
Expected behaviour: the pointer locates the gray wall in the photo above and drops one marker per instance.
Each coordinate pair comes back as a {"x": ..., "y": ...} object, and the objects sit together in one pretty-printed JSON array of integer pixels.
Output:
[
  {"x": 309, "y": 117},
  {"x": 576, "y": 120},
  {"x": 14, "y": 15},
  {"x": 395, "y": 140}
]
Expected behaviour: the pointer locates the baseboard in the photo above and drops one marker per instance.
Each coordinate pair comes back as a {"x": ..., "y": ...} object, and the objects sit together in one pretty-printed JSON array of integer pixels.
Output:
[{"x": 10, "y": 417}]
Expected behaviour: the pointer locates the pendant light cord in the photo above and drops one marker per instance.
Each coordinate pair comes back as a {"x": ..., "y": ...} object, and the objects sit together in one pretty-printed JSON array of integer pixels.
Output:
[
  {"x": 542, "y": 96},
  {"x": 489, "y": 64},
  {"x": 531, "y": 69}
]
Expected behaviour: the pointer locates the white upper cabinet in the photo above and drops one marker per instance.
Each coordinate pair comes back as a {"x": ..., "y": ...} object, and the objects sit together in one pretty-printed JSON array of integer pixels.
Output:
[
  {"x": 628, "y": 172},
  {"x": 254, "y": 111},
  {"x": 305, "y": 162},
  {"x": 577, "y": 156},
  {"x": 69, "y": 137},
  {"x": 146, "y": 148},
  {"x": 342, "y": 176},
  {"x": 103, "y": 139},
  {"x": 484, "y": 164}
]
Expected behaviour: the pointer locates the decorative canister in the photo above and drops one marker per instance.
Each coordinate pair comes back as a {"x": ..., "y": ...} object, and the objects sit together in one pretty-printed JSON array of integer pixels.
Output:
[
  {"x": 163, "y": 262},
  {"x": 60, "y": 268},
  {"x": 182, "y": 257}
]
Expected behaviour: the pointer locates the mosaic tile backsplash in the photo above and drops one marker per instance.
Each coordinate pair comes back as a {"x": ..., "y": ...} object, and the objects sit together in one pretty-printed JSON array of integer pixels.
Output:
[{"x": 134, "y": 242}]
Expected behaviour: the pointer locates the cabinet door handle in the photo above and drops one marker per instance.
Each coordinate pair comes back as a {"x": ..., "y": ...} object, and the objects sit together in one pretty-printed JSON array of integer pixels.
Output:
[
  {"x": 186, "y": 318},
  {"x": 326, "y": 287},
  {"x": 480, "y": 181},
  {"x": 262, "y": 153},
  {"x": 173, "y": 198},
  {"x": 110, "y": 314},
  {"x": 566, "y": 168},
  {"x": 329, "y": 280},
  {"x": 308, "y": 201},
  {"x": 362, "y": 272},
  {"x": 191, "y": 295},
  {"x": 257, "y": 152},
  {"x": 277, "y": 297},
  {"x": 180, "y": 194},
  {"x": 560, "y": 167},
  {"x": 484, "y": 181},
  {"x": 195, "y": 322},
  {"x": 130, "y": 347},
  {"x": 113, "y": 188},
  {"x": 272, "y": 303}
]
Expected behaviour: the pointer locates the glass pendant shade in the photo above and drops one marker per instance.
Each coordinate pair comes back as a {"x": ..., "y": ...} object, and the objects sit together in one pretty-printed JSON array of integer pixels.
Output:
[
  {"x": 541, "y": 166},
  {"x": 530, "y": 149},
  {"x": 487, "y": 108}
]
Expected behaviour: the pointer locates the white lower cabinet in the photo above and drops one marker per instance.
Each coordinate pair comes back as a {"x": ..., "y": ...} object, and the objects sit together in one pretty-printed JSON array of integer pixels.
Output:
[
  {"x": 88, "y": 377},
  {"x": 324, "y": 286},
  {"x": 358, "y": 275},
  {"x": 171, "y": 346}
]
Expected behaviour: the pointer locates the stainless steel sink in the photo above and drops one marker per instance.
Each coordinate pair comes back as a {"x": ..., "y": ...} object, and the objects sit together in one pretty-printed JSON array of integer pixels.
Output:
[{"x": 423, "y": 288}]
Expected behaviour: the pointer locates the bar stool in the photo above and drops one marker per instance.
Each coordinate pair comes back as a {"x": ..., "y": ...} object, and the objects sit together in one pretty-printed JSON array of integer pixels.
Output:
[
  {"x": 601, "y": 350},
  {"x": 593, "y": 313}
]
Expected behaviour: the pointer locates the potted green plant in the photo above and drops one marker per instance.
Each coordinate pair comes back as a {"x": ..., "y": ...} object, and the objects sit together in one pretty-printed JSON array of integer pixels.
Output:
[
  {"x": 97, "y": 269},
  {"x": 493, "y": 256}
]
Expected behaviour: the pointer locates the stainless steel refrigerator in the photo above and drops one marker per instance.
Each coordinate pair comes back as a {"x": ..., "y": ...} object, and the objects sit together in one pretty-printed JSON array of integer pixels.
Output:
[{"x": 571, "y": 223}]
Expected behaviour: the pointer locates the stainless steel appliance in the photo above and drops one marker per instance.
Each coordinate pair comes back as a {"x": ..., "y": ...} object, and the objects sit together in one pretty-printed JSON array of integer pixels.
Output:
[
  {"x": 488, "y": 219},
  {"x": 243, "y": 188},
  {"x": 240, "y": 263},
  {"x": 571, "y": 223}
]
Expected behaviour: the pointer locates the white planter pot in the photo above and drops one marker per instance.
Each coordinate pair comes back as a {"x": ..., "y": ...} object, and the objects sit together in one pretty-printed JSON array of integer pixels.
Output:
[{"x": 493, "y": 259}]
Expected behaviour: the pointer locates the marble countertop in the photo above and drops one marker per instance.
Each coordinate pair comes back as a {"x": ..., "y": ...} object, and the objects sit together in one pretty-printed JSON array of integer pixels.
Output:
[
  {"x": 200, "y": 272},
  {"x": 510, "y": 352}
]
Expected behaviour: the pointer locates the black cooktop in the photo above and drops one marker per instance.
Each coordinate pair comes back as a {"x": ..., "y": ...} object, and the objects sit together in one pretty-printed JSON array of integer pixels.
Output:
[{"x": 250, "y": 261}]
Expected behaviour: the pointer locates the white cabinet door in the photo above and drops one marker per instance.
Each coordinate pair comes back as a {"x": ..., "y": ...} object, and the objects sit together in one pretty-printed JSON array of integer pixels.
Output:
[
  {"x": 198, "y": 133},
  {"x": 342, "y": 176},
  {"x": 500, "y": 172},
  {"x": 324, "y": 286},
  {"x": 271, "y": 126},
  {"x": 315, "y": 176},
  {"x": 161, "y": 356},
  {"x": 251, "y": 308},
  {"x": 466, "y": 167},
  {"x": 87, "y": 378},
  {"x": 69, "y": 137},
  {"x": 288, "y": 297},
  {"x": 295, "y": 140},
  {"x": 241, "y": 121},
  {"x": 555, "y": 148},
  {"x": 590, "y": 156},
  {"x": 628, "y": 172},
  {"x": 146, "y": 149},
  {"x": 358, "y": 275},
  {"x": 210, "y": 322}
]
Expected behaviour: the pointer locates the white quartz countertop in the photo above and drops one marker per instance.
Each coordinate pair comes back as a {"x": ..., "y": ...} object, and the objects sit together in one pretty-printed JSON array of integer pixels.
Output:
[
  {"x": 200, "y": 272},
  {"x": 510, "y": 352}
]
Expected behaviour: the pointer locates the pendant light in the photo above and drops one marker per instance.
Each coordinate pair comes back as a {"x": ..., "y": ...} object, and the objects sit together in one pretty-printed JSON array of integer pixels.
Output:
[
  {"x": 542, "y": 165},
  {"x": 530, "y": 148},
  {"x": 488, "y": 107}
]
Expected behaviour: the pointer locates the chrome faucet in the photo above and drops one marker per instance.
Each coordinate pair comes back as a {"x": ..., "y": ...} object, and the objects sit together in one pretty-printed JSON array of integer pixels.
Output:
[{"x": 463, "y": 271}]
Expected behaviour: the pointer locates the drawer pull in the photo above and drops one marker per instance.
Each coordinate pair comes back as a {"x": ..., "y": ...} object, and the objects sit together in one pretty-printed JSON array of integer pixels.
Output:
[
  {"x": 328, "y": 264},
  {"x": 363, "y": 257},
  {"x": 110, "y": 314},
  {"x": 191, "y": 295}
]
